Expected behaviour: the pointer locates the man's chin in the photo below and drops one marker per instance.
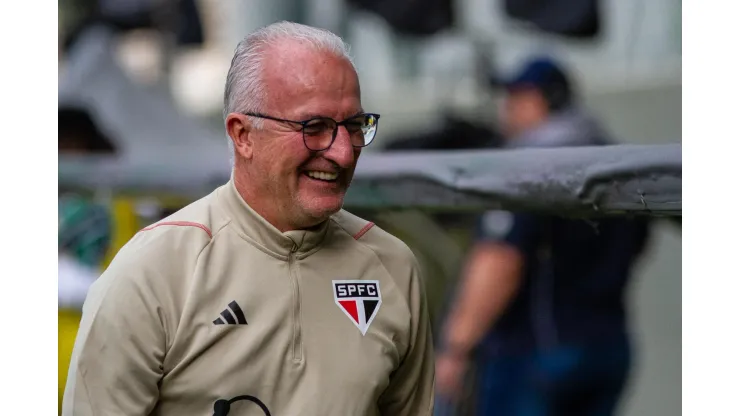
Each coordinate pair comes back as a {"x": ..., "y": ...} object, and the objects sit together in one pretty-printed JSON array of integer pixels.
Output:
[{"x": 321, "y": 208}]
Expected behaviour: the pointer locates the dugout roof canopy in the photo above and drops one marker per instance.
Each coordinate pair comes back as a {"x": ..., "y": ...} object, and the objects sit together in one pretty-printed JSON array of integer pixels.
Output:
[{"x": 585, "y": 181}]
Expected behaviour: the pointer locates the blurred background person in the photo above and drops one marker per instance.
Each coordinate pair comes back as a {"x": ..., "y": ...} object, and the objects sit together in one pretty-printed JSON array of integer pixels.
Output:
[
  {"x": 84, "y": 239},
  {"x": 541, "y": 304}
]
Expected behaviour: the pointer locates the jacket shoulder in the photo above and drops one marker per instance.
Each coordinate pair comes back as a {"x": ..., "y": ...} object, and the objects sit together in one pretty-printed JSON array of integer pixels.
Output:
[
  {"x": 386, "y": 246},
  {"x": 174, "y": 241},
  {"x": 200, "y": 217},
  {"x": 352, "y": 224}
]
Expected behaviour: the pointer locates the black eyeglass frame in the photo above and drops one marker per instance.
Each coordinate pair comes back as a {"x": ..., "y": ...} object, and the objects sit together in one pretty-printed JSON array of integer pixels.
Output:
[{"x": 305, "y": 123}]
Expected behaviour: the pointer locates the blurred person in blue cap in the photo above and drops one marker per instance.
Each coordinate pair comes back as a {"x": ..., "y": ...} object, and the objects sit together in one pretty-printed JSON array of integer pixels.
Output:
[
  {"x": 541, "y": 108},
  {"x": 540, "y": 311}
]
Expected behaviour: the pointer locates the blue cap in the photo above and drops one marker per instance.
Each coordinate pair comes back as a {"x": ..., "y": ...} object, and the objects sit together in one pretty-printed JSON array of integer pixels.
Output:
[
  {"x": 540, "y": 72},
  {"x": 543, "y": 74}
]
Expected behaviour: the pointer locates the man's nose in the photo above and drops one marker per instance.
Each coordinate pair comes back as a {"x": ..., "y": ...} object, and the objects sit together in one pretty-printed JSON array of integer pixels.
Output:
[{"x": 341, "y": 151}]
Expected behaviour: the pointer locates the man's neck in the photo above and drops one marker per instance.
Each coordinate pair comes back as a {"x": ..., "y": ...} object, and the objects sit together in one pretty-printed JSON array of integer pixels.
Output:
[
  {"x": 257, "y": 204},
  {"x": 260, "y": 205}
]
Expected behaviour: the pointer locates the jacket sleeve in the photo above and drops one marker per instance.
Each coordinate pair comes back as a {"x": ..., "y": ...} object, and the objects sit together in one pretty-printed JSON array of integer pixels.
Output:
[
  {"x": 411, "y": 388},
  {"x": 117, "y": 359}
]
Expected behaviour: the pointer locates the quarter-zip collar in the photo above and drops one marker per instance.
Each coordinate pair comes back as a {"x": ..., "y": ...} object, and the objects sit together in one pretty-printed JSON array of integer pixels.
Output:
[{"x": 254, "y": 228}]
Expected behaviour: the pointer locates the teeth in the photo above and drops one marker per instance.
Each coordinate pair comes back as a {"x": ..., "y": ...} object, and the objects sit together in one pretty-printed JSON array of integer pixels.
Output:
[{"x": 326, "y": 176}]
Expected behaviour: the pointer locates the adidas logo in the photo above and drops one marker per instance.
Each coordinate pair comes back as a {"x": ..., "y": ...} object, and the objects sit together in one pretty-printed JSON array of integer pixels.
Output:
[{"x": 229, "y": 313}]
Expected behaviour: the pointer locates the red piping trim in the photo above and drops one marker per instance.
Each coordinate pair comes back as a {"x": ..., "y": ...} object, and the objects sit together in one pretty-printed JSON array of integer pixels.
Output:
[
  {"x": 364, "y": 229},
  {"x": 181, "y": 224}
]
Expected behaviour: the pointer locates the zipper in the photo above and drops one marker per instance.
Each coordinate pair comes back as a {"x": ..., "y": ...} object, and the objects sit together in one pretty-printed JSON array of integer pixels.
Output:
[{"x": 297, "y": 350}]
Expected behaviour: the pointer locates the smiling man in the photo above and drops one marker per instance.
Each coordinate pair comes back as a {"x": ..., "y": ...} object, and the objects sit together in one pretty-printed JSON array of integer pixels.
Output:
[{"x": 265, "y": 297}]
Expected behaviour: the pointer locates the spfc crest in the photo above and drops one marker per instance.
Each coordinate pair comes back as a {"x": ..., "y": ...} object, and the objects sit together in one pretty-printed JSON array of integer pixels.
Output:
[{"x": 359, "y": 299}]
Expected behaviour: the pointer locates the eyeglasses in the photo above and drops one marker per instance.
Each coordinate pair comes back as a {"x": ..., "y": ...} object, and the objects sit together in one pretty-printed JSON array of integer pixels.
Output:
[{"x": 319, "y": 132}]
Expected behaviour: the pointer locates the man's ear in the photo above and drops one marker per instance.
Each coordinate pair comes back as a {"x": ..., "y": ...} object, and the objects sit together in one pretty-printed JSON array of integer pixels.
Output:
[{"x": 239, "y": 129}]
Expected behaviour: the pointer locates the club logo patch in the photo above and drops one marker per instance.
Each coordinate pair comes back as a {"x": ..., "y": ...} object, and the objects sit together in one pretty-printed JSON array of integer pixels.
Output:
[{"x": 359, "y": 299}]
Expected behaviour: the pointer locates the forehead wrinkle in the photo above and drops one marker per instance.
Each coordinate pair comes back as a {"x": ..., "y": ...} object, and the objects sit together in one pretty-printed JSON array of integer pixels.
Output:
[{"x": 294, "y": 72}]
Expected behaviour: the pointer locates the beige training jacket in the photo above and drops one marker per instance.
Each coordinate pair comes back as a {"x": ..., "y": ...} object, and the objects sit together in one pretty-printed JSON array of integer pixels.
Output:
[{"x": 213, "y": 311}]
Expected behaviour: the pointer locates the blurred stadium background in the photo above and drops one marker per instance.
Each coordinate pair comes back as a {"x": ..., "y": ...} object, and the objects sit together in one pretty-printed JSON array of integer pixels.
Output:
[{"x": 144, "y": 78}]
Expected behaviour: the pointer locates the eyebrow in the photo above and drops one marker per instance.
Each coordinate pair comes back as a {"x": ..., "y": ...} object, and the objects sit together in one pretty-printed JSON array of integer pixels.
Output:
[{"x": 305, "y": 117}]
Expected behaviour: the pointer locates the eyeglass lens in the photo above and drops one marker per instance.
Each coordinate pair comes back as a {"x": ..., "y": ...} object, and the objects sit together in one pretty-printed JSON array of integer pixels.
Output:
[{"x": 320, "y": 133}]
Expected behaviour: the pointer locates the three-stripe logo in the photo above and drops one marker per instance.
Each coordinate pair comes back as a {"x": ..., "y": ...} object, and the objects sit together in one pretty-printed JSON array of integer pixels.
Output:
[{"x": 229, "y": 315}]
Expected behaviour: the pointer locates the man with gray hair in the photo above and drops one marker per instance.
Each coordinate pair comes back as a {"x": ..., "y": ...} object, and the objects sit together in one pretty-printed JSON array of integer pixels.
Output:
[{"x": 265, "y": 297}]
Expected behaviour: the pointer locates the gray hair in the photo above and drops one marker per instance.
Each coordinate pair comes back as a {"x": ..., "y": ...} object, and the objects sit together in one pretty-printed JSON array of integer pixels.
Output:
[{"x": 245, "y": 90}]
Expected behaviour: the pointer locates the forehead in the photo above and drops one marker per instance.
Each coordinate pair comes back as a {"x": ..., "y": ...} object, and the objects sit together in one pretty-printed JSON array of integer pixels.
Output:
[
  {"x": 522, "y": 91},
  {"x": 302, "y": 82}
]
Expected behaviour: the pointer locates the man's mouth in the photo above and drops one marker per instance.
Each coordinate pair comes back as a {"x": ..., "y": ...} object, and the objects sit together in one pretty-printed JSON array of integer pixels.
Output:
[{"x": 321, "y": 176}]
